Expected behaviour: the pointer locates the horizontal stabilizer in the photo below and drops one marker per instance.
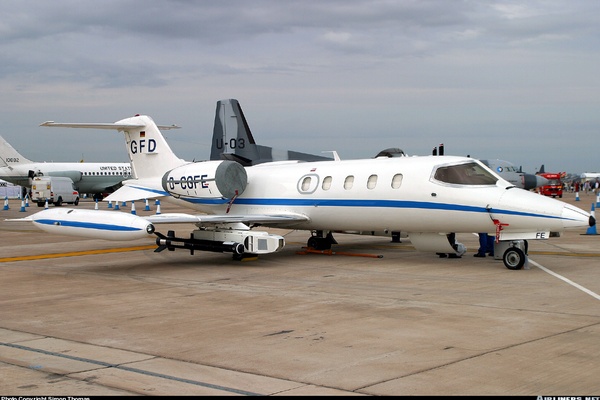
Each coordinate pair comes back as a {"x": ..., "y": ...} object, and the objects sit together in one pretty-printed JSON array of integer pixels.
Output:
[
  {"x": 112, "y": 126},
  {"x": 135, "y": 192}
]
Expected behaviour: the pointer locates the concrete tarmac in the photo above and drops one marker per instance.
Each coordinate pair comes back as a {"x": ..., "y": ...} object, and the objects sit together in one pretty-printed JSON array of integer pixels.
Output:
[{"x": 83, "y": 317}]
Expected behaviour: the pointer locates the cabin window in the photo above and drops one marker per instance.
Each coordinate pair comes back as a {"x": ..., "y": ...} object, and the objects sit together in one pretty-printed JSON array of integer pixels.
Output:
[
  {"x": 308, "y": 184},
  {"x": 396, "y": 181},
  {"x": 327, "y": 183},
  {"x": 469, "y": 173},
  {"x": 305, "y": 183},
  {"x": 372, "y": 182},
  {"x": 349, "y": 182}
]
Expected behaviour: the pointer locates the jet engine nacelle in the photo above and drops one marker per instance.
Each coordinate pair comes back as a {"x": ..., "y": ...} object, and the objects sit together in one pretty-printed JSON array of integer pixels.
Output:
[{"x": 206, "y": 179}]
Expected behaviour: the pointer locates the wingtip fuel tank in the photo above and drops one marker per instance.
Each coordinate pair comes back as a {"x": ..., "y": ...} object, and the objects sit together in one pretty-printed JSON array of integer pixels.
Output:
[{"x": 97, "y": 224}]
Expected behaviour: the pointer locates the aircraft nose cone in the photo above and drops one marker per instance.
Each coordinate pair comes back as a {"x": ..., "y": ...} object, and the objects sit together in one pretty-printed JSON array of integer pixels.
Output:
[
  {"x": 576, "y": 218},
  {"x": 540, "y": 181}
]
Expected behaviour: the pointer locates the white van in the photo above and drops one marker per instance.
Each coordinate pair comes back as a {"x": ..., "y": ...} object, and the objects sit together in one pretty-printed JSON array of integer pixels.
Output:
[{"x": 53, "y": 189}]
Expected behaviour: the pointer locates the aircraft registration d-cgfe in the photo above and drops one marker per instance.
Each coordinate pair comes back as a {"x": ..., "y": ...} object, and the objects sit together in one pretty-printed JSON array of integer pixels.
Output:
[{"x": 425, "y": 197}]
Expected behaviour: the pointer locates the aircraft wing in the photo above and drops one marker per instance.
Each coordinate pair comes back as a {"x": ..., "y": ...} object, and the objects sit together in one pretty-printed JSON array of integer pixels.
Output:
[
  {"x": 131, "y": 192},
  {"x": 181, "y": 218}
]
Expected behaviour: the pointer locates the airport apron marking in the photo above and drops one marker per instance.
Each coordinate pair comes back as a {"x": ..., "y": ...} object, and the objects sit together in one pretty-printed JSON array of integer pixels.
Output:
[
  {"x": 76, "y": 253},
  {"x": 130, "y": 369}
]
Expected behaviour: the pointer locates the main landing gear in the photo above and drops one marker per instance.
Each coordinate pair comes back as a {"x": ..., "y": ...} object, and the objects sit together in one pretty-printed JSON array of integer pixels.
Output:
[{"x": 319, "y": 242}]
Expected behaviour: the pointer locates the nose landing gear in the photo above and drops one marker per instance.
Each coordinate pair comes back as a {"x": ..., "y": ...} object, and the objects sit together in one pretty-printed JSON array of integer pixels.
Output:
[{"x": 513, "y": 253}]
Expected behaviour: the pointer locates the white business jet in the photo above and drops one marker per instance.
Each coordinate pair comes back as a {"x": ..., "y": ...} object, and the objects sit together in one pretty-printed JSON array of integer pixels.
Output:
[{"x": 426, "y": 197}]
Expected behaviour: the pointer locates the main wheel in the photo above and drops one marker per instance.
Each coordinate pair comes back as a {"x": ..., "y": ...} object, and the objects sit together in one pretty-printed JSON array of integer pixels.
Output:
[
  {"x": 319, "y": 243},
  {"x": 514, "y": 258}
]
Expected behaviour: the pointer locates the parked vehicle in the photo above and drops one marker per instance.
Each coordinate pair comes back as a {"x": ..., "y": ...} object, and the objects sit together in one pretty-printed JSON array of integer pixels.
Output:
[
  {"x": 554, "y": 187},
  {"x": 54, "y": 190}
]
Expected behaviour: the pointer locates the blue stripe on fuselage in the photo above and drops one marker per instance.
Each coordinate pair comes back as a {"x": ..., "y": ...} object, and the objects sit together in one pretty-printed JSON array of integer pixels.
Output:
[{"x": 423, "y": 205}]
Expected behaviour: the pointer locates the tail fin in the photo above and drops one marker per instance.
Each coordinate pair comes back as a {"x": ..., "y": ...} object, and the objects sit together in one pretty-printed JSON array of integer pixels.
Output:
[
  {"x": 9, "y": 156},
  {"x": 149, "y": 152},
  {"x": 232, "y": 139}
]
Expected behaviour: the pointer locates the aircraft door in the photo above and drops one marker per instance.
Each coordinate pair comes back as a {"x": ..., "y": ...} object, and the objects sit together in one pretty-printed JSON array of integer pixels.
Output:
[{"x": 308, "y": 183}]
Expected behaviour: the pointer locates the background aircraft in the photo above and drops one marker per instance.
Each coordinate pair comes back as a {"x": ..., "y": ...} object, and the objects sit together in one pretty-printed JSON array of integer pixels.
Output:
[
  {"x": 515, "y": 175},
  {"x": 89, "y": 178},
  {"x": 428, "y": 197},
  {"x": 508, "y": 171},
  {"x": 589, "y": 176},
  {"x": 233, "y": 140}
]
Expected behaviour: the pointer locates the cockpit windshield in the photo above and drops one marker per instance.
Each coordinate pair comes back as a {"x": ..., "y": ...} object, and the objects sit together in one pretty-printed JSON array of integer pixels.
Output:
[{"x": 469, "y": 173}]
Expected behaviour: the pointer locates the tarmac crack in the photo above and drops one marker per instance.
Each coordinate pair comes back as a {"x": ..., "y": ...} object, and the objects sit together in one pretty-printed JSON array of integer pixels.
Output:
[{"x": 515, "y": 345}]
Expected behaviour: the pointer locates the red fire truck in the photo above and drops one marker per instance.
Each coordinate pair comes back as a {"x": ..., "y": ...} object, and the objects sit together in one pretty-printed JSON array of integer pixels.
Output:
[{"x": 554, "y": 187}]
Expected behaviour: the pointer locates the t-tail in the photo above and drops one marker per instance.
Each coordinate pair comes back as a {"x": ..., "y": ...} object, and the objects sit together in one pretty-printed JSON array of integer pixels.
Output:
[
  {"x": 149, "y": 153},
  {"x": 233, "y": 140},
  {"x": 158, "y": 172}
]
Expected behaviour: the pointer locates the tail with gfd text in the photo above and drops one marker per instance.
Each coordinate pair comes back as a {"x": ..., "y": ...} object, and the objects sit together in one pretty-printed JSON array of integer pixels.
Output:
[{"x": 149, "y": 153}]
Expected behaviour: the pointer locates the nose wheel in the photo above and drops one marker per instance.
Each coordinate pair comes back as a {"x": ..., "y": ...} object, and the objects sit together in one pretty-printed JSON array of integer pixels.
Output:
[{"x": 514, "y": 258}]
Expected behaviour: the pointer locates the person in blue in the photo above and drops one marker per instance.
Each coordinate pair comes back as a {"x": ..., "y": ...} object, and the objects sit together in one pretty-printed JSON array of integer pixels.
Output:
[
  {"x": 458, "y": 247},
  {"x": 486, "y": 245}
]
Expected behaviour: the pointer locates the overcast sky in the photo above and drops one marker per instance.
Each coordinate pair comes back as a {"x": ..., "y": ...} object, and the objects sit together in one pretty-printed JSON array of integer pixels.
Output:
[{"x": 514, "y": 80}]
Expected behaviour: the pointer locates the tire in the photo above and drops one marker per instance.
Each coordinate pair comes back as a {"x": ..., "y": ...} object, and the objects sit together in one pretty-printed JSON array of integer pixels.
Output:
[
  {"x": 58, "y": 202},
  {"x": 76, "y": 202},
  {"x": 319, "y": 243},
  {"x": 514, "y": 258},
  {"x": 313, "y": 242}
]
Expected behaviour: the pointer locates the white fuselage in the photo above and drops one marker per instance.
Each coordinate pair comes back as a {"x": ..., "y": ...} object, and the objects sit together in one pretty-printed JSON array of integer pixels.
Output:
[
  {"x": 87, "y": 177},
  {"x": 390, "y": 194}
]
